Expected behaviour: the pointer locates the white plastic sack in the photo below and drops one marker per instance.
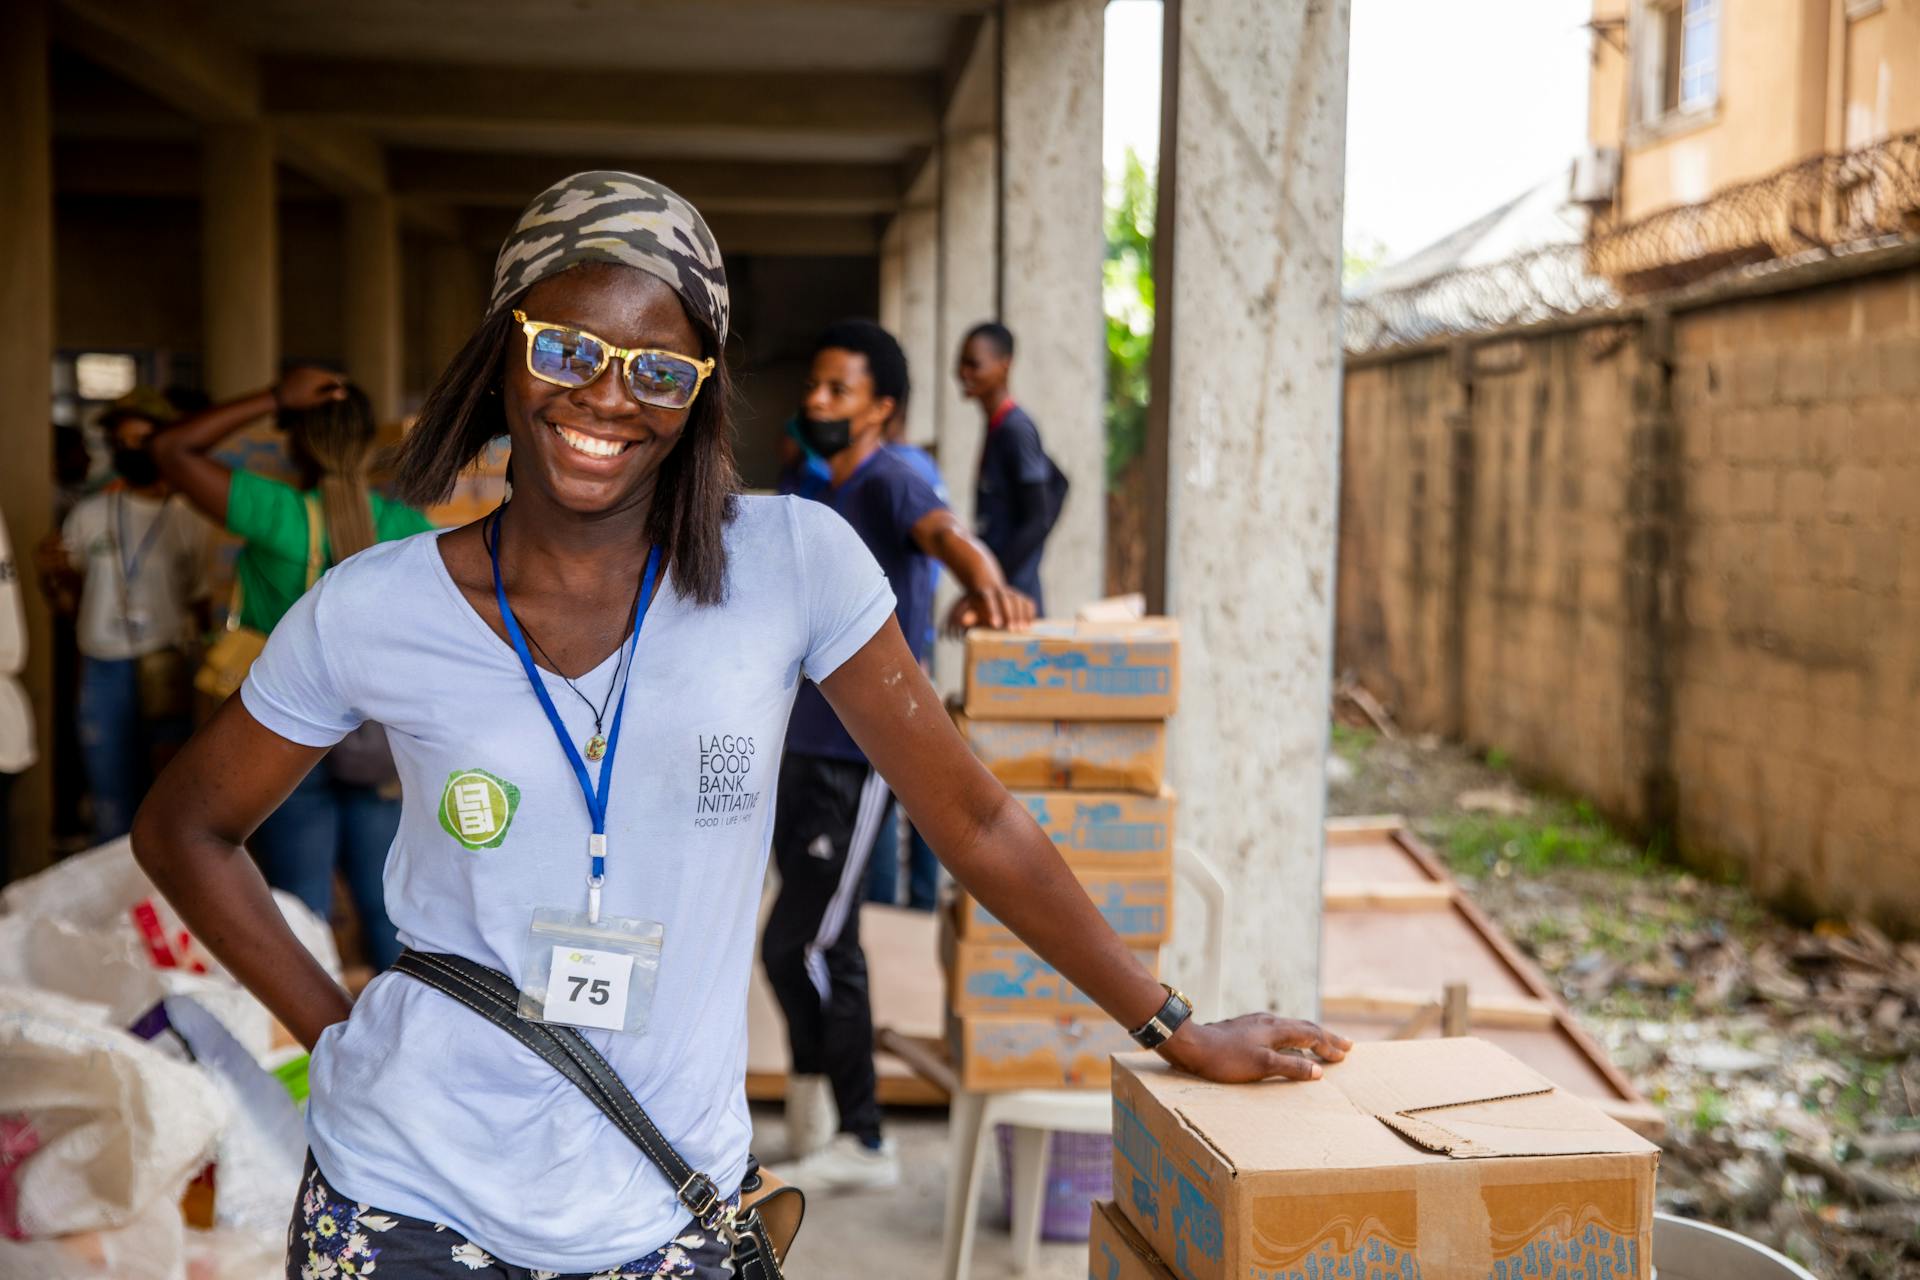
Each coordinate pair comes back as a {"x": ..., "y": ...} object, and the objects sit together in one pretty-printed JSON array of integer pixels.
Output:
[
  {"x": 121, "y": 1126},
  {"x": 70, "y": 929},
  {"x": 150, "y": 1247}
]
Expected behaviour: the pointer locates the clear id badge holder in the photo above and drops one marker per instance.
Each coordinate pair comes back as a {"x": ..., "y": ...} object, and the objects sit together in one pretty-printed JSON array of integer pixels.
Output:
[{"x": 580, "y": 973}]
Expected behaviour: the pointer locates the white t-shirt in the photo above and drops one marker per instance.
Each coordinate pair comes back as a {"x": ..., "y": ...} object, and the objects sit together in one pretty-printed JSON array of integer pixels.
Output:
[
  {"x": 418, "y": 1106},
  {"x": 165, "y": 541}
]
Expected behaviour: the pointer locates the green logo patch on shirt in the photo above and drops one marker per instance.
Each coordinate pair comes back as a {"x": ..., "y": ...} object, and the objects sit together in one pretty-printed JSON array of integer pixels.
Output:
[{"x": 477, "y": 808}]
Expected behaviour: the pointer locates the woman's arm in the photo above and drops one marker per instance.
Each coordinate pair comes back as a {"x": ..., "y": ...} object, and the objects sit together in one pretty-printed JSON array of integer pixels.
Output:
[
  {"x": 187, "y": 837},
  {"x": 184, "y": 451},
  {"x": 1002, "y": 857},
  {"x": 989, "y": 601}
]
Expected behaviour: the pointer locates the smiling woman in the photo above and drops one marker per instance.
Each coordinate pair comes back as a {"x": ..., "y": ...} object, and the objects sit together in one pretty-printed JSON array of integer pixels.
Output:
[{"x": 628, "y": 562}]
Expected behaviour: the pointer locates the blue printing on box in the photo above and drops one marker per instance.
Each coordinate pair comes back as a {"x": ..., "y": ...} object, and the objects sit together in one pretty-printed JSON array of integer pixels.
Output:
[
  {"x": 1032, "y": 979},
  {"x": 1197, "y": 1224},
  {"x": 1096, "y": 828},
  {"x": 1121, "y": 677},
  {"x": 1130, "y": 921}
]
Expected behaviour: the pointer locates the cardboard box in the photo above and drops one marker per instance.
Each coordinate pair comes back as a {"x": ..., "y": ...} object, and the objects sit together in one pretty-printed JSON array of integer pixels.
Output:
[
  {"x": 1075, "y": 671},
  {"x": 1138, "y": 907},
  {"x": 1115, "y": 1250},
  {"x": 992, "y": 1053},
  {"x": 1039, "y": 755},
  {"x": 1111, "y": 830},
  {"x": 1443, "y": 1159},
  {"x": 1006, "y": 978}
]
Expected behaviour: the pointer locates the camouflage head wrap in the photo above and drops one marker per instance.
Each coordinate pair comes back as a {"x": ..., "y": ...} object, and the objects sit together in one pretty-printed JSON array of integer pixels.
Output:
[{"x": 607, "y": 216}]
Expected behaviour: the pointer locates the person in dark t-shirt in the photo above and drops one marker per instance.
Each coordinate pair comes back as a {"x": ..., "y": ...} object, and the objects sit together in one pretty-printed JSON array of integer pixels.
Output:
[
  {"x": 1019, "y": 492},
  {"x": 831, "y": 801}
]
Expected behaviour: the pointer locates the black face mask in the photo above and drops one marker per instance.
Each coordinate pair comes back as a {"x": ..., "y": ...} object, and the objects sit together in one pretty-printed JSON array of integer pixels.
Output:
[
  {"x": 826, "y": 438},
  {"x": 136, "y": 467}
]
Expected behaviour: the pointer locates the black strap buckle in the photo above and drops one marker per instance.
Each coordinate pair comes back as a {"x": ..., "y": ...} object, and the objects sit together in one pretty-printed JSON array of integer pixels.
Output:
[{"x": 703, "y": 1200}]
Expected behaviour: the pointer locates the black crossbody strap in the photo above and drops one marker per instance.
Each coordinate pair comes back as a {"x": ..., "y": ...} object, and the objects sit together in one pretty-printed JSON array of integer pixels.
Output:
[{"x": 493, "y": 996}]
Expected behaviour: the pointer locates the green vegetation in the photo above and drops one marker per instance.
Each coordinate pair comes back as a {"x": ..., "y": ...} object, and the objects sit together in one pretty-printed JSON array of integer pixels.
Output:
[
  {"x": 1709, "y": 1110},
  {"x": 1557, "y": 834},
  {"x": 1128, "y": 294},
  {"x": 1350, "y": 743}
]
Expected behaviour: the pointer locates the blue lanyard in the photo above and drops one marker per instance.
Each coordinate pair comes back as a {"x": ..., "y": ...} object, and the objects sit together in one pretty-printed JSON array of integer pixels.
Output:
[
  {"x": 596, "y": 798},
  {"x": 130, "y": 569}
]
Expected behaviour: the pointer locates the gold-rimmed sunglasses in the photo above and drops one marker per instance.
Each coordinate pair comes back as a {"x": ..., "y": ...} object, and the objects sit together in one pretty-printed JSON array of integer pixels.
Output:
[{"x": 570, "y": 357}]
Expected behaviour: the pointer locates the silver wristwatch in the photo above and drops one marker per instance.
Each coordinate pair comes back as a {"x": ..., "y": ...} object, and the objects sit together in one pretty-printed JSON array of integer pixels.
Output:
[{"x": 1159, "y": 1029}]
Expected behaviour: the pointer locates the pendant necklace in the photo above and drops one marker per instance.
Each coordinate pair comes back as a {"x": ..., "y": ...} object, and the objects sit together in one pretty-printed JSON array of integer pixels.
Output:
[{"x": 596, "y": 745}]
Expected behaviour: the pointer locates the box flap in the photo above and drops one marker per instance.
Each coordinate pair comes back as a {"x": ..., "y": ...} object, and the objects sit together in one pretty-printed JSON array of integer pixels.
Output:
[{"x": 1468, "y": 1099}]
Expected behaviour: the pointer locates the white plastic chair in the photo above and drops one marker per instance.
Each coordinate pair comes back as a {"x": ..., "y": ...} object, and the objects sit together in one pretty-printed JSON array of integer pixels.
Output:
[{"x": 1037, "y": 1114}]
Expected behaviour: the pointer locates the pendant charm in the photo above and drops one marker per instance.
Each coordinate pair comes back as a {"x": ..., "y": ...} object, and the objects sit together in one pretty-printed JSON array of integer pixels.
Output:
[{"x": 596, "y": 747}]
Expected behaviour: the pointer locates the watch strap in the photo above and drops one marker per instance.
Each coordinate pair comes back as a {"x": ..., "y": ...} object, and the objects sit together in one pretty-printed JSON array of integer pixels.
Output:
[{"x": 1169, "y": 1018}]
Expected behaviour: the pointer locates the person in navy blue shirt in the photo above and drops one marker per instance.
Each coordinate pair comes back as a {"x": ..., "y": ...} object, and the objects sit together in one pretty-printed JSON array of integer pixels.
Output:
[
  {"x": 831, "y": 801},
  {"x": 1020, "y": 490}
]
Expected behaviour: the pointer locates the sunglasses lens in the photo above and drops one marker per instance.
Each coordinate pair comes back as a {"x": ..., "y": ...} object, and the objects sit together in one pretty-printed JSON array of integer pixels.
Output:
[
  {"x": 565, "y": 356},
  {"x": 663, "y": 380}
]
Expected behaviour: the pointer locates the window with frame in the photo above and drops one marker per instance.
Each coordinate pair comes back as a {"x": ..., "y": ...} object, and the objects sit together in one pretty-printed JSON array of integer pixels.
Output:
[{"x": 1679, "y": 57}]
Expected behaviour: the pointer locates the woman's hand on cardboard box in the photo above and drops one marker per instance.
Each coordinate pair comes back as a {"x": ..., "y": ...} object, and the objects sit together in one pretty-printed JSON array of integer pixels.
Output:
[{"x": 1254, "y": 1046}]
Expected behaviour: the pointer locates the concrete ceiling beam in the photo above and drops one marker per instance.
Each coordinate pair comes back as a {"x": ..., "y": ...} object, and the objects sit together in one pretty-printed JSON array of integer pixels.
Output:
[
  {"x": 341, "y": 160},
  {"x": 850, "y": 235},
  {"x": 726, "y": 186},
  {"x": 396, "y": 95},
  {"x": 152, "y": 45}
]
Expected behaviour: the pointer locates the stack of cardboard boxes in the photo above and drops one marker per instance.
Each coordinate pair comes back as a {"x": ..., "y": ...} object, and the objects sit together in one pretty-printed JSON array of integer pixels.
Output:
[
  {"x": 1436, "y": 1159},
  {"x": 1072, "y": 718}
]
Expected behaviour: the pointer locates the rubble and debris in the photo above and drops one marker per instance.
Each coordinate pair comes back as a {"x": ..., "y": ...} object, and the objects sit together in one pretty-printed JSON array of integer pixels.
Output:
[{"x": 1786, "y": 1059}]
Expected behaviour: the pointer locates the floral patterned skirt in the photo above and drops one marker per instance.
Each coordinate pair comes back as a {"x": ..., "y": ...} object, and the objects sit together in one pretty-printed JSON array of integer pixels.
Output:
[{"x": 332, "y": 1238}]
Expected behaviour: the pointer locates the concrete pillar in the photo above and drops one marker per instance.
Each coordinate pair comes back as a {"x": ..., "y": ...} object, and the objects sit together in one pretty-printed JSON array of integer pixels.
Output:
[
  {"x": 239, "y": 259},
  {"x": 969, "y": 289},
  {"x": 1051, "y": 64},
  {"x": 26, "y": 391},
  {"x": 892, "y": 280},
  {"x": 372, "y": 303},
  {"x": 919, "y": 321},
  {"x": 1244, "y": 454},
  {"x": 454, "y": 301}
]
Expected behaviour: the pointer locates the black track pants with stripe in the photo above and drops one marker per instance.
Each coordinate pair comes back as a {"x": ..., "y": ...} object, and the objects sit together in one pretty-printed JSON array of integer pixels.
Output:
[{"x": 827, "y": 816}]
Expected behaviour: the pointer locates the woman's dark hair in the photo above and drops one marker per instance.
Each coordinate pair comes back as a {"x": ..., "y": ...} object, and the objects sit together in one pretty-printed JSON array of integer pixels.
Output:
[
  {"x": 339, "y": 436},
  {"x": 695, "y": 494},
  {"x": 885, "y": 360}
]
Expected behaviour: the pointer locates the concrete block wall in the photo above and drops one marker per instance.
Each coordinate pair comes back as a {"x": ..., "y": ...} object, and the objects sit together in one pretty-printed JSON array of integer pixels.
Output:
[
  {"x": 1797, "y": 687},
  {"x": 1672, "y": 565},
  {"x": 1396, "y": 539}
]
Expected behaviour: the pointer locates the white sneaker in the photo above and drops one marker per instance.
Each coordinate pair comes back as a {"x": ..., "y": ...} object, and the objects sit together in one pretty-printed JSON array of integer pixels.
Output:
[
  {"x": 812, "y": 1118},
  {"x": 844, "y": 1164}
]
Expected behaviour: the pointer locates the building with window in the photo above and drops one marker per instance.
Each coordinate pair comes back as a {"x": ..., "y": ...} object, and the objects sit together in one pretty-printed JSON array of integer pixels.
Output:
[{"x": 1691, "y": 97}]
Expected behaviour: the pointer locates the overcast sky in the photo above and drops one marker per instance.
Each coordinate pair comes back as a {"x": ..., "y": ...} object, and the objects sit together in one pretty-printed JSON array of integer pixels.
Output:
[{"x": 1453, "y": 106}]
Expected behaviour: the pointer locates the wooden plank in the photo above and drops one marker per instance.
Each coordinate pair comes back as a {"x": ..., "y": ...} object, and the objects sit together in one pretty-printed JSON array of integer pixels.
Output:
[
  {"x": 926, "y": 1058},
  {"x": 1364, "y": 896},
  {"x": 1363, "y": 830},
  {"x": 1380, "y": 861},
  {"x": 897, "y": 1085},
  {"x": 1484, "y": 1011},
  {"x": 1528, "y": 973}
]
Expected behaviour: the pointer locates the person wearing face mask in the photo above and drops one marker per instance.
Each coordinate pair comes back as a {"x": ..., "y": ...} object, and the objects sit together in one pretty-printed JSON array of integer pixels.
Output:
[
  {"x": 831, "y": 801},
  {"x": 127, "y": 562}
]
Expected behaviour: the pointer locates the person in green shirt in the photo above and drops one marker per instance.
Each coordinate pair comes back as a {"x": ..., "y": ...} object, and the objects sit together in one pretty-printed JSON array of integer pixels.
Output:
[{"x": 341, "y": 815}]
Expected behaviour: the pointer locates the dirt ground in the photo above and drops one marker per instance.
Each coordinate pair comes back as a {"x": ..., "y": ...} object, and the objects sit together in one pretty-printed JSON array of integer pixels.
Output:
[{"x": 1787, "y": 1059}]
